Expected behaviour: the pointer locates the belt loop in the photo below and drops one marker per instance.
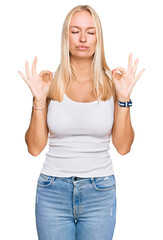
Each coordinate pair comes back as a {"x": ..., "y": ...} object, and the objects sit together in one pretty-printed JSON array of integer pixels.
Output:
[{"x": 92, "y": 178}]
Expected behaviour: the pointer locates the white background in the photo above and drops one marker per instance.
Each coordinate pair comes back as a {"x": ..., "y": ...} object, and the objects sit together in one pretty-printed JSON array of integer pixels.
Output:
[{"x": 33, "y": 28}]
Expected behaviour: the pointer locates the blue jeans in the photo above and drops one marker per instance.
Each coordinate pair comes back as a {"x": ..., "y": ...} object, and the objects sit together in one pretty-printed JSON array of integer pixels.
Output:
[{"x": 75, "y": 209}]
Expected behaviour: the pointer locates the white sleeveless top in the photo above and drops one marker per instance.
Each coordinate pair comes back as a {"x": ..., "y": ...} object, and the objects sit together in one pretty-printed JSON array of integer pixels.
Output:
[{"x": 79, "y": 138}]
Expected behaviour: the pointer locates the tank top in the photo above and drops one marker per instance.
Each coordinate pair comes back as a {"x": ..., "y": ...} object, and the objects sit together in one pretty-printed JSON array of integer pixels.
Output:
[{"x": 79, "y": 137}]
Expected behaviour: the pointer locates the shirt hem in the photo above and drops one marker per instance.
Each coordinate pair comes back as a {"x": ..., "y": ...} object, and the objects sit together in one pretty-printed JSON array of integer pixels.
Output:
[{"x": 76, "y": 174}]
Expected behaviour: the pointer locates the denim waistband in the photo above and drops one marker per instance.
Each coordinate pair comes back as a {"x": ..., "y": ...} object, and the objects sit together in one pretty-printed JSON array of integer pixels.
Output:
[{"x": 75, "y": 178}]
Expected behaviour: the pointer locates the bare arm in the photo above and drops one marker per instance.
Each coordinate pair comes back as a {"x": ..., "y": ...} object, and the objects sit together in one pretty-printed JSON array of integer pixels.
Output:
[
  {"x": 122, "y": 131},
  {"x": 37, "y": 134}
]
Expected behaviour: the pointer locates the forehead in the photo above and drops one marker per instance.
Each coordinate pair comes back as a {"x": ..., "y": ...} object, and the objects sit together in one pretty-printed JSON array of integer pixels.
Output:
[{"x": 82, "y": 19}]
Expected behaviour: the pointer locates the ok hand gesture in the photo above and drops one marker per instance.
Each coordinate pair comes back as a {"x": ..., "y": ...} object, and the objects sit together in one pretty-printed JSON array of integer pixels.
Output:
[
  {"x": 125, "y": 81},
  {"x": 38, "y": 84}
]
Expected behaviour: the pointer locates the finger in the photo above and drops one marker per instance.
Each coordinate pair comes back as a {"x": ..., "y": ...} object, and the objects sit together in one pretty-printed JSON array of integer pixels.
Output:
[
  {"x": 34, "y": 72},
  {"x": 120, "y": 69},
  {"x": 24, "y": 77},
  {"x": 45, "y": 72},
  {"x": 135, "y": 66},
  {"x": 139, "y": 74},
  {"x": 29, "y": 75},
  {"x": 129, "y": 69}
]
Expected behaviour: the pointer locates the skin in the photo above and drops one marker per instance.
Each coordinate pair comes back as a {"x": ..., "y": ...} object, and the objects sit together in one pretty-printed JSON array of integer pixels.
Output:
[
  {"x": 122, "y": 131},
  {"x": 82, "y": 35}
]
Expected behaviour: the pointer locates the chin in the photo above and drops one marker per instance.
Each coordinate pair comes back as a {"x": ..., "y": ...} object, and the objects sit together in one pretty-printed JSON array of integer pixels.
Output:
[{"x": 81, "y": 55}]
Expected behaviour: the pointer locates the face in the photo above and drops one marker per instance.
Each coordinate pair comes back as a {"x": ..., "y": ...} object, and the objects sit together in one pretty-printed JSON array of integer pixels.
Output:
[{"x": 82, "y": 35}]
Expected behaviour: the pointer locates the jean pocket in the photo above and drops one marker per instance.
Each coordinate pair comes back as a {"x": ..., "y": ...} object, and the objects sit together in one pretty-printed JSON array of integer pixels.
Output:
[
  {"x": 45, "y": 180},
  {"x": 106, "y": 183}
]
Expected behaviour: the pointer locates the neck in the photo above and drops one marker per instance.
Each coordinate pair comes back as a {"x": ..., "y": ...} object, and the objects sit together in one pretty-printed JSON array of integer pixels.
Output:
[{"x": 82, "y": 68}]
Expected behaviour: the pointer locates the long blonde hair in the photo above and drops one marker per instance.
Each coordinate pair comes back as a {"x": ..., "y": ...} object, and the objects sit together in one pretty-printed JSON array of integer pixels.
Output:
[{"x": 99, "y": 70}]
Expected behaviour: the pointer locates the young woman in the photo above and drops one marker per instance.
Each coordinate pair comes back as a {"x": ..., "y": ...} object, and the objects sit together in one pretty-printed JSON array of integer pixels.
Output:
[{"x": 81, "y": 105}]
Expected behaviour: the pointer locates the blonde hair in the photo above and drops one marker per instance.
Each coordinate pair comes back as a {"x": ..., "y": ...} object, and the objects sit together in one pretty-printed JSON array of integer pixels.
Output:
[{"x": 99, "y": 70}]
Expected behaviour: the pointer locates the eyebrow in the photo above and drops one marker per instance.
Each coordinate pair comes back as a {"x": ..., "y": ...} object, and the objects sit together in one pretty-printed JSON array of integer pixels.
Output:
[{"x": 80, "y": 28}]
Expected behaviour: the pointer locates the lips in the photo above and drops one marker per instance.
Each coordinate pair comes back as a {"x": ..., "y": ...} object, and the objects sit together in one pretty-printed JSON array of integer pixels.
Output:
[{"x": 82, "y": 47}]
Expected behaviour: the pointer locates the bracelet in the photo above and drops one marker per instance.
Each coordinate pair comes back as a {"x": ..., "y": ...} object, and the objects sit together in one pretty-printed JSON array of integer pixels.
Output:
[
  {"x": 37, "y": 108},
  {"x": 125, "y": 104}
]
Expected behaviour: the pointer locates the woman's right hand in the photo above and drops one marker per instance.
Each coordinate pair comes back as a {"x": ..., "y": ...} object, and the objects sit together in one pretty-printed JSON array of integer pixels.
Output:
[{"x": 38, "y": 84}]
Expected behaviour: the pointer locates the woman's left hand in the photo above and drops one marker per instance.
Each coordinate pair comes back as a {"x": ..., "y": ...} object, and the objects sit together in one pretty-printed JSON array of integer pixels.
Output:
[{"x": 125, "y": 81}]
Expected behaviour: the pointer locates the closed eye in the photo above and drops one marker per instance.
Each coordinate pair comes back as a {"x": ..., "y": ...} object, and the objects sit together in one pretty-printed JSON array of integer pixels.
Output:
[{"x": 88, "y": 33}]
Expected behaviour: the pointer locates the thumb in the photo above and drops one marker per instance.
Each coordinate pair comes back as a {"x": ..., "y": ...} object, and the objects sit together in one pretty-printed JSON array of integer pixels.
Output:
[{"x": 45, "y": 72}]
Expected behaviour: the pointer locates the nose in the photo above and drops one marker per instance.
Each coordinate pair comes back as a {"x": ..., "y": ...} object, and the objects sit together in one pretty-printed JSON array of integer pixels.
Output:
[{"x": 83, "y": 37}]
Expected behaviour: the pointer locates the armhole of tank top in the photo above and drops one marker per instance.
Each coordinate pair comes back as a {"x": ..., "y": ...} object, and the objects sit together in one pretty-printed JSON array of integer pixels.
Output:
[
  {"x": 112, "y": 102},
  {"x": 49, "y": 105}
]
